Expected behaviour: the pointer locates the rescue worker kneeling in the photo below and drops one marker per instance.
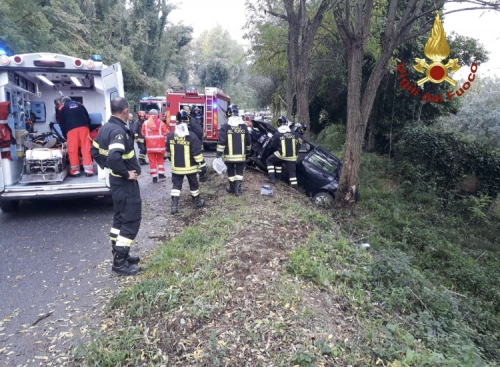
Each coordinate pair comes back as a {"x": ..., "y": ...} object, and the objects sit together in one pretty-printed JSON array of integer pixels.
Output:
[
  {"x": 285, "y": 146},
  {"x": 114, "y": 149},
  {"x": 235, "y": 143},
  {"x": 184, "y": 152}
]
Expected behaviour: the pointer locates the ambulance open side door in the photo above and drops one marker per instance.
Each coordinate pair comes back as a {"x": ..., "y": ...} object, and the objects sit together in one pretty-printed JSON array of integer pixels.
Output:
[{"x": 112, "y": 79}]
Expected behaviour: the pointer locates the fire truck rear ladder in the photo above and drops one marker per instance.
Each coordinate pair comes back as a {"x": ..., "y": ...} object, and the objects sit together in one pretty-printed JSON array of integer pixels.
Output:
[{"x": 209, "y": 120}]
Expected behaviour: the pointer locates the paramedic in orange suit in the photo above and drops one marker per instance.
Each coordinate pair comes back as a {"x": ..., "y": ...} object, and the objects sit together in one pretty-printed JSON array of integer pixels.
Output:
[{"x": 75, "y": 126}]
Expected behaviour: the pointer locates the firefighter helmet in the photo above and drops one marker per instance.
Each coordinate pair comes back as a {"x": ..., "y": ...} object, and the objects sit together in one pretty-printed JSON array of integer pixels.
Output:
[
  {"x": 184, "y": 117},
  {"x": 282, "y": 121},
  {"x": 192, "y": 108},
  {"x": 233, "y": 110},
  {"x": 141, "y": 114},
  {"x": 301, "y": 128}
]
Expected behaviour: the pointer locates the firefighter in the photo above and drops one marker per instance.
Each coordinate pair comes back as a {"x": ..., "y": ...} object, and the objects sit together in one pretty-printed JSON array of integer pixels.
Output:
[
  {"x": 114, "y": 149},
  {"x": 197, "y": 129},
  {"x": 285, "y": 145},
  {"x": 186, "y": 159},
  {"x": 155, "y": 131},
  {"x": 74, "y": 121},
  {"x": 139, "y": 138},
  {"x": 235, "y": 143}
]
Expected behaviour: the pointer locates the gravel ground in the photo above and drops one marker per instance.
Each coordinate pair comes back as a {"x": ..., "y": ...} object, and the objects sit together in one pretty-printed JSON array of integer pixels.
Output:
[{"x": 56, "y": 277}]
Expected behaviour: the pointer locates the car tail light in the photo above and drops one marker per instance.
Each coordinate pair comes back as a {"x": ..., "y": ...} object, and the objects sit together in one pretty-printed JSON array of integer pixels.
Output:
[
  {"x": 18, "y": 59},
  {"x": 78, "y": 63},
  {"x": 90, "y": 64}
]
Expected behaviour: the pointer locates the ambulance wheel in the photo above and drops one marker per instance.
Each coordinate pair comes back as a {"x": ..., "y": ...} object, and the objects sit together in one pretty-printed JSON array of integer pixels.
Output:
[{"x": 9, "y": 206}]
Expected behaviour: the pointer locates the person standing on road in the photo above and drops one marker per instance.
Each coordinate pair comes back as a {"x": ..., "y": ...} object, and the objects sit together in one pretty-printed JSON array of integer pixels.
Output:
[
  {"x": 285, "y": 145},
  {"x": 235, "y": 143},
  {"x": 136, "y": 129},
  {"x": 184, "y": 152},
  {"x": 155, "y": 131},
  {"x": 74, "y": 121},
  {"x": 114, "y": 149}
]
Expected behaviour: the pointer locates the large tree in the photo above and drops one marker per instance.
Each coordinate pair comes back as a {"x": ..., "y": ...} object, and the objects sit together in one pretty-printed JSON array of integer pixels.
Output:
[
  {"x": 303, "y": 24},
  {"x": 402, "y": 20}
]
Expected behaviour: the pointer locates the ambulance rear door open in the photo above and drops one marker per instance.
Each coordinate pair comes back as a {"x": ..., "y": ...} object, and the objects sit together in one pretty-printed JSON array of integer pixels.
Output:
[{"x": 112, "y": 79}]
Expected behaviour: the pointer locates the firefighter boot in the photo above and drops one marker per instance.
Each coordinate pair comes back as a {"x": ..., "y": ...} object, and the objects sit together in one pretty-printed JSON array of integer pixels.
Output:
[
  {"x": 120, "y": 264},
  {"x": 174, "y": 209},
  {"x": 272, "y": 178},
  {"x": 237, "y": 188},
  {"x": 198, "y": 202},
  {"x": 230, "y": 188},
  {"x": 130, "y": 259},
  {"x": 155, "y": 179},
  {"x": 142, "y": 161}
]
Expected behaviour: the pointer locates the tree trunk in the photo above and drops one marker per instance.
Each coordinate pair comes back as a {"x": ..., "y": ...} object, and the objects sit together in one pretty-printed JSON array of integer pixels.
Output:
[
  {"x": 289, "y": 87},
  {"x": 372, "y": 133},
  {"x": 355, "y": 126},
  {"x": 302, "y": 89}
]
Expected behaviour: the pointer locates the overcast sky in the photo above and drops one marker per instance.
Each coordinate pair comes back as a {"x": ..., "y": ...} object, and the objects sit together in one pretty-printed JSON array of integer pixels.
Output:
[{"x": 230, "y": 14}]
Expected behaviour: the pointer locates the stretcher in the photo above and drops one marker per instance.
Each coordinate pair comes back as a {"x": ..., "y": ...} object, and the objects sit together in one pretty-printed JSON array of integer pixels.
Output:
[{"x": 45, "y": 165}]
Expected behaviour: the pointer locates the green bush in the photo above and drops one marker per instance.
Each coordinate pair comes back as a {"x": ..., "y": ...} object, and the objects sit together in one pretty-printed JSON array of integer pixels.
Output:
[{"x": 455, "y": 163}]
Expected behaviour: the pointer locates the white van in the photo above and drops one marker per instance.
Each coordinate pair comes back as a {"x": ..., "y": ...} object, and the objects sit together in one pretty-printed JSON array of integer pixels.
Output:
[{"x": 31, "y": 82}]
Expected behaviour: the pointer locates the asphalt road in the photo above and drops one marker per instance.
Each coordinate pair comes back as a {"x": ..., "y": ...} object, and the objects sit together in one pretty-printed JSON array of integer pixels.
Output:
[{"x": 55, "y": 275}]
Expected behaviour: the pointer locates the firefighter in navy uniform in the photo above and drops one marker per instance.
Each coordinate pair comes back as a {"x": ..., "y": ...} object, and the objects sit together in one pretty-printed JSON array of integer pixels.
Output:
[
  {"x": 136, "y": 129},
  {"x": 235, "y": 143},
  {"x": 114, "y": 149},
  {"x": 197, "y": 129},
  {"x": 186, "y": 159},
  {"x": 285, "y": 145}
]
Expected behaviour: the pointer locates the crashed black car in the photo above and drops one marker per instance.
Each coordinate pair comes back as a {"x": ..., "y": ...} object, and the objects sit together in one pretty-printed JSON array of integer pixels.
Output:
[{"x": 318, "y": 171}]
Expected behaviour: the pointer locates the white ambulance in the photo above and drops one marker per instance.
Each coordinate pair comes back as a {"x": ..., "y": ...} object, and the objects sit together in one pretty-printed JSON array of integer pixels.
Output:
[{"x": 29, "y": 84}]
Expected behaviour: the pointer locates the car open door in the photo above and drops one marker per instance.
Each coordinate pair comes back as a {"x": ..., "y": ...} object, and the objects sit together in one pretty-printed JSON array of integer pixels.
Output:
[{"x": 112, "y": 79}]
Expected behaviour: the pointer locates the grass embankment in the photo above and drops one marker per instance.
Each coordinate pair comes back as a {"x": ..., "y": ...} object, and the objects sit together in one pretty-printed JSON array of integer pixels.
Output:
[{"x": 258, "y": 281}]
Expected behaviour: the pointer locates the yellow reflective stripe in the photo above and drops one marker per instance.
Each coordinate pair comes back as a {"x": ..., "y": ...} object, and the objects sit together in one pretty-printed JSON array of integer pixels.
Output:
[
  {"x": 204, "y": 164},
  {"x": 95, "y": 144},
  {"x": 114, "y": 174},
  {"x": 230, "y": 141},
  {"x": 239, "y": 178},
  {"x": 283, "y": 146},
  {"x": 293, "y": 147},
  {"x": 123, "y": 241},
  {"x": 129, "y": 155},
  {"x": 221, "y": 148},
  {"x": 103, "y": 152},
  {"x": 235, "y": 158},
  {"x": 242, "y": 142},
  {"x": 174, "y": 192},
  {"x": 172, "y": 151},
  {"x": 184, "y": 171},
  {"x": 198, "y": 158},
  {"x": 116, "y": 146},
  {"x": 187, "y": 156},
  {"x": 195, "y": 193},
  {"x": 115, "y": 231}
]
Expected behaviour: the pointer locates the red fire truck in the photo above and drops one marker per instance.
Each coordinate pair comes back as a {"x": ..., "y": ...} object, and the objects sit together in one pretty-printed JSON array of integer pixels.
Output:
[
  {"x": 153, "y": 103},
  {"x": 212, "y": 105}
]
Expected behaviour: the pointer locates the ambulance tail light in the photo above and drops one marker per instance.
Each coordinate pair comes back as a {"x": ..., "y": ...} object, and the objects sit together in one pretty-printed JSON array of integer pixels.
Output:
[
  {"x": 90, "y": 64},
  {"x": 4, "y": 60},
  {"x": 78, "y": 63},
  {"x": 18, "y": 60}
]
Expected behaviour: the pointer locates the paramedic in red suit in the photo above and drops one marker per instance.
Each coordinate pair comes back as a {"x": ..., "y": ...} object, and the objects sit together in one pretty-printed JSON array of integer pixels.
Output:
[
  {"x": 155, "y": 132},
  {"x": 75, "y": 126}
]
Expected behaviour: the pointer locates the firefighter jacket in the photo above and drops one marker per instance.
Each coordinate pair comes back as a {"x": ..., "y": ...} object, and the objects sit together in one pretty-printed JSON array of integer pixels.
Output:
[
  {"x": 195, "y": 127},
  {"x": 114, "y": 149},
  {"x": 285, "y": 144},
  {"x": 155, "y": 131},
  {"x": 136, "y": 129},
  {"x": 184, "y": 151},
  {"x": 73, "y": 115},
  {"x": 234, "y": 140}
]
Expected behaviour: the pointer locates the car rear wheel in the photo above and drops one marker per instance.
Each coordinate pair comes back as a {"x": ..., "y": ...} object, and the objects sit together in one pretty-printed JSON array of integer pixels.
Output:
[
  {"x": 323, "y": 199},
  {"x": 9, "y": 206}
]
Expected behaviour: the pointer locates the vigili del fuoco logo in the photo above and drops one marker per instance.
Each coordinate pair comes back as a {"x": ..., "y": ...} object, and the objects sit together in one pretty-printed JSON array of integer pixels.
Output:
[{"x": 436, "y": 49}]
